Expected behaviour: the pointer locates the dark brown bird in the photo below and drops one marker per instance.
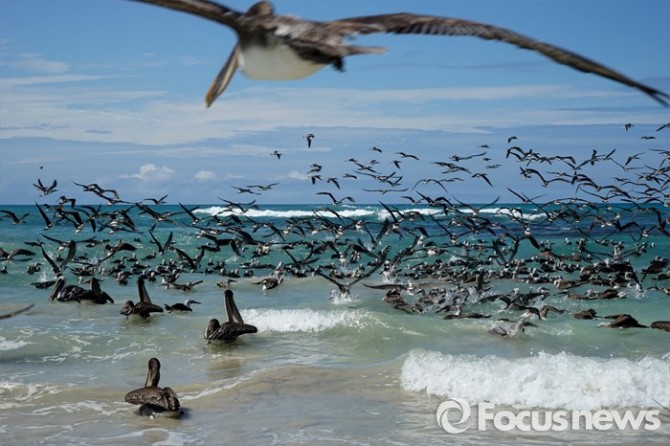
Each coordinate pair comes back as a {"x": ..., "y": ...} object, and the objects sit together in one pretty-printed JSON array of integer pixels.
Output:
[
  {"x": 155, "y": 401},
  {"x": 309, "y": 137},
  {"x": 622, "y": 321},
  {"x": 232, "y": 329},
  {"x": 585, "y": 314},
  {"x": 45, "y": 190},
  {"x": 273, "y": 46},
  {"x": 144, "y": 307},
  {"x": 661, "y": 325}
]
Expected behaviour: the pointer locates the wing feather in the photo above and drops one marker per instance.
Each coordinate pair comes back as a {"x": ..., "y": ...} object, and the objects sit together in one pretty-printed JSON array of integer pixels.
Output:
[
  {"x": 164, "y": 398},
  {"x": 406, "y": 23},
  {"x": 201, "y": 8}
]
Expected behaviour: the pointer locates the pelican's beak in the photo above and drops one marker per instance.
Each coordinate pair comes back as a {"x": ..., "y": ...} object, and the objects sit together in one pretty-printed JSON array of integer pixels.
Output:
[{"x": 224, "y": 77}]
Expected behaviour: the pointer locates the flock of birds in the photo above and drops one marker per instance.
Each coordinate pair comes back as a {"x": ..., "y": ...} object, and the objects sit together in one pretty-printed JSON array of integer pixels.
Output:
[{"x": 449, "y": 261}]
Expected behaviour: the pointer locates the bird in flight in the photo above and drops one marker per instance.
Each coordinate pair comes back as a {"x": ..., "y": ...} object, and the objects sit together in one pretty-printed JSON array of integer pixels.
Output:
[
  {"x": 309, "y": 137},
  {"x": 274, "y": 46}
]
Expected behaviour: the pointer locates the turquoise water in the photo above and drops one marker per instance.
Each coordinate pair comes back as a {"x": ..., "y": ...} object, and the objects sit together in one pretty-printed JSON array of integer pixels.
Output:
[{"x": 326, "y": 368}]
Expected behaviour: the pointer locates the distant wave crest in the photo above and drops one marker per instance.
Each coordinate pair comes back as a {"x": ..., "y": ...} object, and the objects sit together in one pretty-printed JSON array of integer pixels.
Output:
[{"x": 306, "y": 320}]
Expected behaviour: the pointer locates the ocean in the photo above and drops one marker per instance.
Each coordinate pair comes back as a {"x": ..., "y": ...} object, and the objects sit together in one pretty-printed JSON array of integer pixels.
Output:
[{"x": 329, "y": 367}]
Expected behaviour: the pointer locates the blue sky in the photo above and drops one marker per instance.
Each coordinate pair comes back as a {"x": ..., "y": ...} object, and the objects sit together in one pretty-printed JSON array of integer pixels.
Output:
[{"x": 111, "y": 92}]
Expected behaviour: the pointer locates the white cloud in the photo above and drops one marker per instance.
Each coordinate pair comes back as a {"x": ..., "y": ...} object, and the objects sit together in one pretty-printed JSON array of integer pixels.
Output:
[
  {"x": 157, "y": 117},
  {"x": 151, "y": 172},
  {"x": 297, "y": 175},
  {"x": 35, "y": 63},
  {"x": 205, "y": 175}
]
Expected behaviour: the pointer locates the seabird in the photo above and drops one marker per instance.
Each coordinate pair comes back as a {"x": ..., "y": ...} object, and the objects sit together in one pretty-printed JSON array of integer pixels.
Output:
[
  {"x": 516, "y": 329},
  {"x": 155, "y": 401},
  {"x": 661, "y": 325},
  {"x": 225, "y": 283},
  {"x": 270, "y": 283},
  {"x": 622, "y": 321},
  {"x": 45, "y": 190},
  {"x": 15, "y": 218},
  {"x": 186, "y": 306},
  {"x": 95, "y": 295},
  {"x": 309, "y": 137},
  {"x": 458, "y": 314},
  {"x": 585, "y": 314},
  {"x": 273, "y": 46},
  {"x": 6, "y": 256},
  {"x": 231, "y": 330},
  {"x": 67, "y": 293},
  {"x": 144, "y": 307}
]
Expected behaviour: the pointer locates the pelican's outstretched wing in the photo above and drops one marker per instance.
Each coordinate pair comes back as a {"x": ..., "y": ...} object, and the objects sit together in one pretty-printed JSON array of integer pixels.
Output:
[
  {"x": 405, "y": 23},
  {"x": 224, "y": 77},
  {"x": 164, "y": 398},
  {"x": 201, "y": 8},
  {"x": 142, "y": 291},
  {"x": 234, "y": 315}
]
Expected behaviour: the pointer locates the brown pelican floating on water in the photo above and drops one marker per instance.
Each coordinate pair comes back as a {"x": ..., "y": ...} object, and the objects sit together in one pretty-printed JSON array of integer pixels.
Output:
[
  {"x": 155, "y": 401},
  {"x": 70, "y": 293},
  {"x": 95, "y": 295},
  {"x": 272, "y": 46},
  {"x": 589, "y": 313},
  {"x": 661, "y": 325},
  {"x": 186, "y": 306},
  {"x": 231, "y": 330},
  {"x": 622, "y": 321},
  {"x": 144, "y": 307}
]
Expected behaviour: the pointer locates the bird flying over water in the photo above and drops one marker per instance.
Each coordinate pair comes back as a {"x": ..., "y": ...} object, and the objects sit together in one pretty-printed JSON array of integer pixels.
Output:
[
  {"x": 45, "y": 190},
  {"x": 274, "y": 46}
]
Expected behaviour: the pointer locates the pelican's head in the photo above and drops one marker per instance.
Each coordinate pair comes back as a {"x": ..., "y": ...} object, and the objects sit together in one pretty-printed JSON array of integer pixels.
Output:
[
  {"x": 262, "y": 8},
  {"x": 212, "y": 327}
]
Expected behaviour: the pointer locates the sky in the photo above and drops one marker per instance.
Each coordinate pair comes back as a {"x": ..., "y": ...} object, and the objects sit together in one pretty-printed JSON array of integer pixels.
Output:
[{"x": 112, "y": 92}]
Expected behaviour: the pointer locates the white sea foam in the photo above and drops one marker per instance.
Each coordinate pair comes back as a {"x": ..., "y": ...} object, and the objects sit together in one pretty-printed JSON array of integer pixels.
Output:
[
  {"x": 306, "y": 320},
  {"x": 10, "y": 345},
  {"x": 76, "y": 407},
  {"x": 376, "y": 213},
  {"x": 15, "y": 394},
  {"x": 288, "y": 213},
  {"x": 155, "y": 436},
  {"x": 553, "y": 381}
]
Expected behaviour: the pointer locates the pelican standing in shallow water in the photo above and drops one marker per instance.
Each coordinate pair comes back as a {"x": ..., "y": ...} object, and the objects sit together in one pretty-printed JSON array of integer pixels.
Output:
[
  {"x": 273, "y": 46},
  {"x": 155, "y": 401},
  {"x": 144, "y": 307},
  {"x": 231, "y": 330}
]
